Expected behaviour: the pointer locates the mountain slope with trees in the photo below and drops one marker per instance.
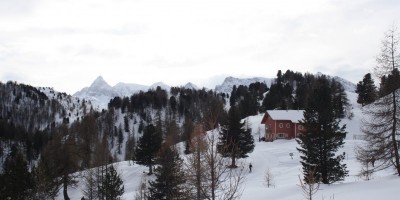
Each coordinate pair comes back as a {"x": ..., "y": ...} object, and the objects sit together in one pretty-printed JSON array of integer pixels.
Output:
[{"x": 93, "y": 139}]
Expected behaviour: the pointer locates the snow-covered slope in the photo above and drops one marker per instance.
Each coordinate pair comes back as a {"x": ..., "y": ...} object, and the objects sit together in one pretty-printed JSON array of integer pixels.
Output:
[
  {"x": 75, "y": 107},
  {"x": 348, "y": 86},
  {"x": 285, "y": 171},
  {"x": 229, "y": 82}
]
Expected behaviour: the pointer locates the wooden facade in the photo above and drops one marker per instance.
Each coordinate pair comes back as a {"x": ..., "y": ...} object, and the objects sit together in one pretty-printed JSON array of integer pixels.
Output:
[{"x": 282, "y": 124}]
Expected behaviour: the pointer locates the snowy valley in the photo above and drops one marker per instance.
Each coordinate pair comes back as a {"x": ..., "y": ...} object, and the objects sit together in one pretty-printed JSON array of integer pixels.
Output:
[{"x": 285, "y": 170}]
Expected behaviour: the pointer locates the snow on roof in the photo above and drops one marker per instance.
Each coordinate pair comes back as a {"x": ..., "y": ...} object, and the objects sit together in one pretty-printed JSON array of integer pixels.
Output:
[{"x": 293, "y": 115}]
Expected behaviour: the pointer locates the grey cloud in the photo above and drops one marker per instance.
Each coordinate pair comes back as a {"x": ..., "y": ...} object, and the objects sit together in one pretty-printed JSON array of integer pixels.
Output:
[{"x": 16, "y": 7}]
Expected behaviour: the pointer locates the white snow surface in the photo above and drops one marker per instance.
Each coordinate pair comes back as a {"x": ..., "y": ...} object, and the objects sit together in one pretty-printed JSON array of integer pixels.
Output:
[
  {"x": 293, "y": 115},
  {"x": 285, "y": 170}
]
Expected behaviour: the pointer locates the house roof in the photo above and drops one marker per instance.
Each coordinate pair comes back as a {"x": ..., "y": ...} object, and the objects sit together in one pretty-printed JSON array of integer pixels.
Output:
[{"x": 293, "y": 115}]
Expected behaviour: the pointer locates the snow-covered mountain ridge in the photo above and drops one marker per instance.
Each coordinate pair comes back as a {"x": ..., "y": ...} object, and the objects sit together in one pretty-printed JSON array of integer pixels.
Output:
[
  {"x": 229, "y": 82},
  {"x": 100, "y": 92}
]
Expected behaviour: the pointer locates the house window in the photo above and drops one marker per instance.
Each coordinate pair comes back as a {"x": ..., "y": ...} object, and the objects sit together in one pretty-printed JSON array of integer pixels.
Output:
[
  {"x": 300, "y": 127},
  {"x": 281, "y": 135},
  {"x": 288, "y": 125},
  {"x": 280, "y": 125}
]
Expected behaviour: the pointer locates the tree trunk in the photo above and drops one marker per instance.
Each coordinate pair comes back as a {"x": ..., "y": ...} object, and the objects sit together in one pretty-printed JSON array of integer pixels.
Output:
[
  {"x": 198, "y": 174},
  {"x": 394, "y": 141},
  {"x": 150, "y": 169},
  {"x": 65, "y": 186},
  {"x": 233, "y": 164},
  {"x": 213, "y": 174},
  {"x": 394, "y": 128}
]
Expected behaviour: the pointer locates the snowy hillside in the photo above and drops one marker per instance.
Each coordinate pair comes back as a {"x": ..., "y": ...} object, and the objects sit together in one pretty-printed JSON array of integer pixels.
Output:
[
  {"x": 74, "y": 106},
  {"x": 38, "y": 108},
  {"x": 285, "y": 170},
  {"x": 348, "y": 86},
  {"x": 229, "y": 82}
]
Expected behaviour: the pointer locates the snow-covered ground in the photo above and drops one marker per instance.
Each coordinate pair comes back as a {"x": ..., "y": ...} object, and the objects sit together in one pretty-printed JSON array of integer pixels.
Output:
[
  {"x": 285, "y": 170},
  {"x": 275, "y": 156}
]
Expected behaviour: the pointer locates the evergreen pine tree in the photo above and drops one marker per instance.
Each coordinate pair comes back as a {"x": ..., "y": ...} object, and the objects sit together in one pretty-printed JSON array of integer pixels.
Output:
[
  {"x": 323, "y": 137},
  {"x": 141, "y": 126},
  {"x": 147, "y": 147},
  {"x": 360, "y": 90},
  {"x": 366, "y": 90},
  {"x": 126, "y": 123},
  {"x": 47, "y": 184},
  {"x": 170, "y": 179},
  {"x": 120, "y": 138},
  {"x": 390, "y": 82},
  {"x": 339, "y": 99},
  {"x": 232, "y": 99},
  {"x": 112, "y": 186},
  {"x": 371, "y": 92},
  {"x": 130, "y": 146},
  {"x": 188, "y": 128},
  {"x": 16, "y": 181},
  {"x": 236, "y": 140},
  {"x": 173, "y": 103}
]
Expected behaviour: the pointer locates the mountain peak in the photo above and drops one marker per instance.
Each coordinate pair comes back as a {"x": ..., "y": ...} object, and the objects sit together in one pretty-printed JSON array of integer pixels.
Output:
[
  {"x": 190, "y": 85},
  {"x": 99, "y": 82},
  {"x": 161, "y": 84}
]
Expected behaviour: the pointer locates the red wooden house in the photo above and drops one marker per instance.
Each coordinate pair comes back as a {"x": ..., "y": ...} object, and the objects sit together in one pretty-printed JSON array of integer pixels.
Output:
[{"x": 282, "y": 124}]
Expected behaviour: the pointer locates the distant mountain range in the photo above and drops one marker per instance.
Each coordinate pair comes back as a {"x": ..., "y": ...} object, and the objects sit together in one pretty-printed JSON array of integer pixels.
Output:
[
  {"x": 100, "y": 92},
  {"x": 229, "y": 82}
]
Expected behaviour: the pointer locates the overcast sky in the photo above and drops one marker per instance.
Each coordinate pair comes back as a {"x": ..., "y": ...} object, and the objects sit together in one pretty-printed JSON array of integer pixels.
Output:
[{"x": 66, "y": 44}]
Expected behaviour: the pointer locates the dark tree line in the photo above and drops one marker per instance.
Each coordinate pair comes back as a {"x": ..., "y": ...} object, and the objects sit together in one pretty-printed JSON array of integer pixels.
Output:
[
  {"x": 292, "y": 90},
  {"x": 248, "y": 98},
  {"x": 155, "y": 99}
]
